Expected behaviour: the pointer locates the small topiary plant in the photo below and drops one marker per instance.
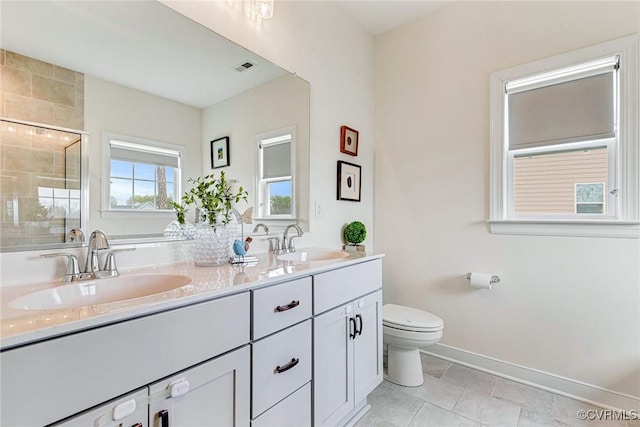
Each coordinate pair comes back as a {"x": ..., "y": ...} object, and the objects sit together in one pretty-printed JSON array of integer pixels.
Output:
[{"x": 354, "y": 233}]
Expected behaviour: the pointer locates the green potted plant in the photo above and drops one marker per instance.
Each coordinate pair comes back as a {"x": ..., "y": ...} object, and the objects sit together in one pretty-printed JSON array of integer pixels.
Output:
[
  {"x": 215, "y": 197},
  {"x": 353, "y": 234},
  {"x": 215, "y": 230}
]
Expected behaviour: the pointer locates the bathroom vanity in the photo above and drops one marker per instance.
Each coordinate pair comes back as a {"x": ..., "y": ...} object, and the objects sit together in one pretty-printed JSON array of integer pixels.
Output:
[{"x": 284, "y": 343}]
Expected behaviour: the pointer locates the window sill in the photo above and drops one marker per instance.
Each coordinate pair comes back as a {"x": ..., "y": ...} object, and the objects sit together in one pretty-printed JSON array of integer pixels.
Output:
[
  {"x": 123, "y": 214},
  {"x": 609, "y": 229}
]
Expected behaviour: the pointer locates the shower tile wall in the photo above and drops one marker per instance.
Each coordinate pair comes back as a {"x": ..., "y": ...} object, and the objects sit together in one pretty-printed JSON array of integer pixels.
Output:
[
  {"x": 37, "y": 91},
  {"x": 39, "y": 184},
  {"x": 39, "y": 167}
]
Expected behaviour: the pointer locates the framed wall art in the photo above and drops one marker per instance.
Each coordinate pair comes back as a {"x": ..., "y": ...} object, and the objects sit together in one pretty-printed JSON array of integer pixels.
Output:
[
  {"x": 220, "y": 153},
  {"x": 349, "y": 181},
  {"x": 349, "y": 141}
]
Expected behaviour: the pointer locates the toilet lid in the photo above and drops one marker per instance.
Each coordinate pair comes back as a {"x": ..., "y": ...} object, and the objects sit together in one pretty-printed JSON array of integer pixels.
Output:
[{"x": 410, "y": 318}]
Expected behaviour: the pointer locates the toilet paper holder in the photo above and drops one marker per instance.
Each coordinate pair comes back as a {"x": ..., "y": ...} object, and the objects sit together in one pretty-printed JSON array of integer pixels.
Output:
[{"x": 494, "y": 279}]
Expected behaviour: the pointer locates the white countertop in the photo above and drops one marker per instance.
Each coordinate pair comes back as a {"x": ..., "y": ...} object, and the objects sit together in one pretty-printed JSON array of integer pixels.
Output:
[{"x": 28, "y": 326}]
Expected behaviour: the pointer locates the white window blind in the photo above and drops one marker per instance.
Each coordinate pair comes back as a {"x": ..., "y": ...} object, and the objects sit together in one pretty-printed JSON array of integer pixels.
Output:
[
  {"x": 576, "y": 106},
  {"x": 128, "y": 151},
  {"x": 276, "y": 158}
]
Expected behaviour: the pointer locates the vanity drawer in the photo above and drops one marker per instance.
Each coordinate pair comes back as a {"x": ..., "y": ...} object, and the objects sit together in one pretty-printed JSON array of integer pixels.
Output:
[
  {"x": 294, "y": 411},
  {"x": 337, "y": 287},
  {"x": 280, "y": 364},
  {"x": 279, "y": 306}
]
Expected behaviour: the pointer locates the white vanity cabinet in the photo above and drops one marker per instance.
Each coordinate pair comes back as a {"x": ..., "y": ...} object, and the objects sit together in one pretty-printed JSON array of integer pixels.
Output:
[
  {"x": 305, "y": 351},
  {"x": 347, "y": 341},
  {"x": 57, "y": 378}
]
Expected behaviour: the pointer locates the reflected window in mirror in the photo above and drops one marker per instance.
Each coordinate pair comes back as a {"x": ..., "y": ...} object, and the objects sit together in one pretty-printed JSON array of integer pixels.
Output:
[
  {"x": 143, "y": 175},
  {"x": 41, "y": 183},
  {"x": 276, "y": 164}
]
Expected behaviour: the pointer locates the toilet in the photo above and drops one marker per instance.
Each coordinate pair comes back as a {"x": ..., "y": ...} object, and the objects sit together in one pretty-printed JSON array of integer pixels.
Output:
[{"x": 405, "y": 331}]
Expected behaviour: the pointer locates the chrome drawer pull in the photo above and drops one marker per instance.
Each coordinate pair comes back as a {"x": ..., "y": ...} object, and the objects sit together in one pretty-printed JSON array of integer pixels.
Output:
[
  {"x": 292, "y": 304},
  {"x": 286, "y": 367}
]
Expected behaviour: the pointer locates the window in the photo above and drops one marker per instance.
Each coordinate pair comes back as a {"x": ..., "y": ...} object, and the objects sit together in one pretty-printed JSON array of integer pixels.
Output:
[
  {"x": 589, "y": 198},
  {"x": 275, "y": 174},
  {"x": 142, "y": 175},
  {"x": 564, "y": 143}
]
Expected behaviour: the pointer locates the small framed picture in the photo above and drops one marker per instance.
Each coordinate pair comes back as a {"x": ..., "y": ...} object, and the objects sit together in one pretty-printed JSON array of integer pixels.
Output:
[
  {"x": 220, "y": 153},
  {"x": 348, "y": 141},
  {"x": 348, "y": 181}
]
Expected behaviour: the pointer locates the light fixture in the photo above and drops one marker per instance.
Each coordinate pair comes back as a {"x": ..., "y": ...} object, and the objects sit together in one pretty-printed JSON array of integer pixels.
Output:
[{"x": 264, "y": 8}]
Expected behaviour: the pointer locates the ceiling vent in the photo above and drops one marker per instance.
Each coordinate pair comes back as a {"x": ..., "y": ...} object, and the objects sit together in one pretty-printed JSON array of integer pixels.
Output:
[{"x": 244, "y": 66}]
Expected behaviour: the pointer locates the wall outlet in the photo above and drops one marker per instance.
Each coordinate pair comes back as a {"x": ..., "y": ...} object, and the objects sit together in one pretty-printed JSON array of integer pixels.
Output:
[{"x": 319, "y": 209}]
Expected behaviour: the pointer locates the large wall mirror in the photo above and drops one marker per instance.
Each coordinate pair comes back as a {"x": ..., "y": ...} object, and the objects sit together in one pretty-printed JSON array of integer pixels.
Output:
[{"x": 143, "y": 72}]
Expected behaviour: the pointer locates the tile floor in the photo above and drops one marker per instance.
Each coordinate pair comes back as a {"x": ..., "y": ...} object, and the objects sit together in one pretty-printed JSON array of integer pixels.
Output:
[{"x": 454, "y": 395}]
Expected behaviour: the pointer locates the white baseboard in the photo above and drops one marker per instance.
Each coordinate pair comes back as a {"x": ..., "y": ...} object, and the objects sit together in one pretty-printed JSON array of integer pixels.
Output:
[{"x": 568, "y": 387}]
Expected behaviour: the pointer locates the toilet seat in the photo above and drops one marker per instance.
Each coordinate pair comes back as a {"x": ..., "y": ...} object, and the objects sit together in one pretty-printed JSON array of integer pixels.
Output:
[{"x": 410, "y": 319}]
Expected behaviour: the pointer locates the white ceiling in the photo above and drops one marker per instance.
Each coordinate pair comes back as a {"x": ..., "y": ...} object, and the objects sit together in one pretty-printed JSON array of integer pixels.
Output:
[
  {"x": 147, "y": 46},
  {"x": 143, "y": 45},
  {"x": 380, "y": 16}
]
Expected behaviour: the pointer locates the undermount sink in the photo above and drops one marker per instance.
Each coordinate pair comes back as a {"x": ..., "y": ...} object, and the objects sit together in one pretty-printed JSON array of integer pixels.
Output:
[
  {"x": 312, "y": 255},
  {"x": 101, "y": 291}
]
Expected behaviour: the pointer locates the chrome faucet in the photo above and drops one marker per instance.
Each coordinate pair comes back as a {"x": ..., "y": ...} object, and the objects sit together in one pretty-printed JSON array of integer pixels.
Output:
[
  {"x": 75, "y": 235},
  {"x": 287, "y": 245},
  {"x": 259, "y": 225},
  {"x": 97, "y": 241}
]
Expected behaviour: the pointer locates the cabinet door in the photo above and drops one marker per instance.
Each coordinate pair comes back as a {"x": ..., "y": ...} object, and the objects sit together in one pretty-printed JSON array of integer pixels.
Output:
[
  {"x": 333, "y": 364},
  {"x": 126, "y": 411},
  {"x": 367, "y": 346},
  {"x": 214, "y": 393}
]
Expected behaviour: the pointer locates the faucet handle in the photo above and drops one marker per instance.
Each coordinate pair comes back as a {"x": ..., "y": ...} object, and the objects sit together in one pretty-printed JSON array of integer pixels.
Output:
[
  {"x": 291, "y": 247},
  {"x": 110, "y": 267},
  {"x": 275, "y": 244},
  {"x": 73, "y": 269}
]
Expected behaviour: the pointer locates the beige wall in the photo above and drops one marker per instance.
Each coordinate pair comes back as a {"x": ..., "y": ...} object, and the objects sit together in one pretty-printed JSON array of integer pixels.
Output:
[
  {"x": 117, "y": 109},
  {"x": 320, "y": 43},
  {"x": 565, "y": 306},
  {"x": 277, "y": 104}
]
